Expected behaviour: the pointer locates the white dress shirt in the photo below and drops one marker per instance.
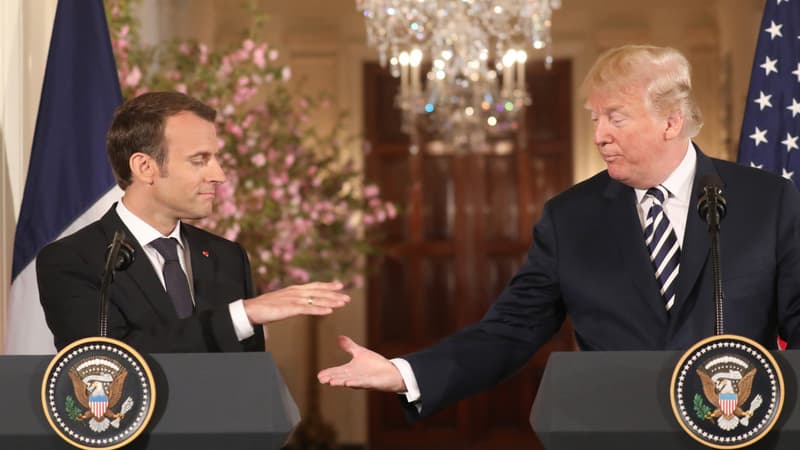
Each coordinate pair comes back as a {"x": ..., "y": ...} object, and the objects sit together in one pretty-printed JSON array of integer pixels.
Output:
[
  {"x": 676, "y": 207},
  {"x": 145, "y": 234},
  {"x": 679, "y": 185}
]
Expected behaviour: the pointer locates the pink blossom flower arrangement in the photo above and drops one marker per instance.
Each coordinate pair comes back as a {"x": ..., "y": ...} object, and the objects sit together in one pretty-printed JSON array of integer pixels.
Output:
[{"x": 291, "y": 199}]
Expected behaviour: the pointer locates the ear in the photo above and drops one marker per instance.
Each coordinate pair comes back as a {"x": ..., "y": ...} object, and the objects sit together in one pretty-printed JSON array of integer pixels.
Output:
[
  {"x": 143, "y": 168},
  {"x": 674, "y": 125}
]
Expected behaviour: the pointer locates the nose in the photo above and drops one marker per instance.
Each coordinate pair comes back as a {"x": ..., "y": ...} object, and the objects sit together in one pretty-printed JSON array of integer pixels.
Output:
[
  {"x": 216, "y": 173},
  {"x": 601, "y": 135}
]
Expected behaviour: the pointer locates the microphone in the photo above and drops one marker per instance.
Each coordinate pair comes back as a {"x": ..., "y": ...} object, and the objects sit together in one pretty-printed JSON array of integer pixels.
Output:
[
  {"x": 125, "y": 254},
  {"x": 119, "y": 256},
  {"x": 712, "y": 206}
]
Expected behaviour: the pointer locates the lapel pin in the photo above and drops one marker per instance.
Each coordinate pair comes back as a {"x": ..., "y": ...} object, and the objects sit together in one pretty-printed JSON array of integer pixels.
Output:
[{"x": 205, "y": 253}]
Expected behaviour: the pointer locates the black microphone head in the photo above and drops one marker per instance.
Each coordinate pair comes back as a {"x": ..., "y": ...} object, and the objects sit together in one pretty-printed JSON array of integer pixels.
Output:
[
  {"x": 711, "y": 197},
  {"x": 125, "y": 256},
  {"x": 711, "y": 180}
]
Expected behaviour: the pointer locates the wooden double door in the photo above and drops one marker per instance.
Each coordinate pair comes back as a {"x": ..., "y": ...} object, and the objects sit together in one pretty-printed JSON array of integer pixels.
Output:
[{"x": 464, "y": 226}]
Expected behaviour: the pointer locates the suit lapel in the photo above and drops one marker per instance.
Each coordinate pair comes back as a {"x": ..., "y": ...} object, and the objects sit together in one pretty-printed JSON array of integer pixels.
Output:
[
  {"x": 627, "y": 232},
  {"x": 141, "y": 272},
  {"x": 202, "y": 266},
  {"x": 696, "y": 243}
]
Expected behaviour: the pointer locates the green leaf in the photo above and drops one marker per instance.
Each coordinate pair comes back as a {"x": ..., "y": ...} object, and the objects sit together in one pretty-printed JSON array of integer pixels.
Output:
[
  {"x": 72, "y": 409},
  {"x": 700, "y": 408}
]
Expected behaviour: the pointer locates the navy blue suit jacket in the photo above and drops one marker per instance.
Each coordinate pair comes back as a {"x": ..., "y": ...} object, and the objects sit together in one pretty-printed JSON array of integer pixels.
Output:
[
  {"x": 140, "y": 313},
  {"x": 588, "y": 259}
]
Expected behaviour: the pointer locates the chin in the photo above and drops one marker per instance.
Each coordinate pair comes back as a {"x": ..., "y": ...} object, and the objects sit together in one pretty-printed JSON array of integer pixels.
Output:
[
  {"x": 622, "y": 178},
  {"x": 617, "y": 174},
  {"x": 197, "y": 215}
]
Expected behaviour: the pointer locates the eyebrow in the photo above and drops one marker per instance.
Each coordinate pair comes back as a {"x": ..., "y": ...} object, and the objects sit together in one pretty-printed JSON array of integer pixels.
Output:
[
  {"x": 611, "y": 110},
  {"x": 203, "y": 153}
]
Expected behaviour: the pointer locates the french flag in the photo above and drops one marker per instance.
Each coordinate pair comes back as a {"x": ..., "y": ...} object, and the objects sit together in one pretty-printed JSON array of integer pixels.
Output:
[{"x": 69, "y": 182}]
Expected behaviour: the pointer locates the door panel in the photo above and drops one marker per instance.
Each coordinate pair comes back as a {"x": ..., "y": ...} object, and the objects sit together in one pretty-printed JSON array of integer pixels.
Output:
[{"x": 463, "y": 229}]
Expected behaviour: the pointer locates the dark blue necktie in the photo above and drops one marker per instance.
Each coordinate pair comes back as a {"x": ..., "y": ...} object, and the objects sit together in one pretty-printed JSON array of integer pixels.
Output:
[
  {"x": 662, "y": 242},
  {"x": 174, "y": 277}
]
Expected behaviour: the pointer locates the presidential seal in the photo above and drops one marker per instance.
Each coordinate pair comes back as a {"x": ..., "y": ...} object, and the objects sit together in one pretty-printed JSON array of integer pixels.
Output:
[
  {"x": 727, "y": 392},
  {"x": 98, "y": 393}
]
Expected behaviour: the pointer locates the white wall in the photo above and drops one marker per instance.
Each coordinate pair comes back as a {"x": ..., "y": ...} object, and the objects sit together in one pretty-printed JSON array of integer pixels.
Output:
[{"x": 25, "y": 27}]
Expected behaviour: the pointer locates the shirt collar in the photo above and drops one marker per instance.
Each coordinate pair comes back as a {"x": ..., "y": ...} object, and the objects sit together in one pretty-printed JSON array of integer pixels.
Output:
[
  {"x": 141, "y": 230},
  {"x": 679, "y": 182}
]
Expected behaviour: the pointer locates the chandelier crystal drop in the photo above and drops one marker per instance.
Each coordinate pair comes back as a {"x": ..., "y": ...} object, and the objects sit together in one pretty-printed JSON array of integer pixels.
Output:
[{"x": 475, "y": 88}]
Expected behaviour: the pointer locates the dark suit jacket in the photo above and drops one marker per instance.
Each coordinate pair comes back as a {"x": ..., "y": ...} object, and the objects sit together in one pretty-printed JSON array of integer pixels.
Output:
[
  {"x": 140, "y": 313},
  {"x": 588, "y": 259}
]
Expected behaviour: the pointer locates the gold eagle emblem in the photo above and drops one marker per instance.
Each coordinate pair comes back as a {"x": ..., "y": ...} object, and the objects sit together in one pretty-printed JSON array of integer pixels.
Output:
[
  {"x": 727, "y": 391},
  {"x": 98, "y": 386}
]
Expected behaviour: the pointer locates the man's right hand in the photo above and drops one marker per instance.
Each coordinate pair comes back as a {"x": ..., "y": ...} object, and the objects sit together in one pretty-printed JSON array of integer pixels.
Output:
[{"x": 366, "y": 370}]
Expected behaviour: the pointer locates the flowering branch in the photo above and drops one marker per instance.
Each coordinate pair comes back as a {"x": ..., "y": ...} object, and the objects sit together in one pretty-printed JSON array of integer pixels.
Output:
[{"x": 290, "y": 199}]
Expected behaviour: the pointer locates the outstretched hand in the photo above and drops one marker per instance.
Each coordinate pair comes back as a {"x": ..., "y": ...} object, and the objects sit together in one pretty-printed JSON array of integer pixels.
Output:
[
  {"x": 366, "y": 370},
  {"x": 316, "y": 299}
]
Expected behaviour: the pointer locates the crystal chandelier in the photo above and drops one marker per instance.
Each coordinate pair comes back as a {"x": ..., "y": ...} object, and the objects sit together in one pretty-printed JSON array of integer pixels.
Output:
[{"x": 475, "y": 89}]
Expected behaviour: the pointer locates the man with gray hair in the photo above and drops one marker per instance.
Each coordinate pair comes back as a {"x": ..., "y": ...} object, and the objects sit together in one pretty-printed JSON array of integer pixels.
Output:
[{"x": 624, "y": 253}]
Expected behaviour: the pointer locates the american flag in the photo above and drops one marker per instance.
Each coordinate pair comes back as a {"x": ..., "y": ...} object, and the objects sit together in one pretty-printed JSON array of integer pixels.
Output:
[{"x": 770, "y": 138}]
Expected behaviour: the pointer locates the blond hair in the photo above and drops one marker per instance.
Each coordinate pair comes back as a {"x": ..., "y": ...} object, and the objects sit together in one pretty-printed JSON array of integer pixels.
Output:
[{"x": 664, "y": 71}]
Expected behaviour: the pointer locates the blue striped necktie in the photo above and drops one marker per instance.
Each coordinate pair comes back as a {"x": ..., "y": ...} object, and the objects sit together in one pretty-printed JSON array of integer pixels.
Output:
[{"x": 662, "y": 242}]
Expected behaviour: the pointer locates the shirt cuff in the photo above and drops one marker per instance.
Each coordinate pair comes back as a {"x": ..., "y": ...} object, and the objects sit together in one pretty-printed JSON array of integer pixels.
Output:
[
  {"x": 412, "y": 393},
  {"x": 241, "y": 324}
]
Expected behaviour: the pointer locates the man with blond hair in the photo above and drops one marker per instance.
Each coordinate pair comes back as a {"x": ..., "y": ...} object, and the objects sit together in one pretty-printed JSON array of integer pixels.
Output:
[{"x": 624, "y": 253}]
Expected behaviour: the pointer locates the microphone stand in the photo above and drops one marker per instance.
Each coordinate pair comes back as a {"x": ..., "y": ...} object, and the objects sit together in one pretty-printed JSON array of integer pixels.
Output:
[
  {"x": 716, "y": 271},
  {"x": 105, "y": 284},
  {"x": 712, "y": 208}
]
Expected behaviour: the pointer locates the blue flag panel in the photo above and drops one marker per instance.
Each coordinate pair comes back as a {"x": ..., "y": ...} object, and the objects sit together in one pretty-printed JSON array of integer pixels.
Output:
[{"x": 68, "y": 168}]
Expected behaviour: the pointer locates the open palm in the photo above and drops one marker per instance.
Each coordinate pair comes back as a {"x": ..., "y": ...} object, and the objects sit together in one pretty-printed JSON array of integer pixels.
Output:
[{"x": 366, "y": 370}]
